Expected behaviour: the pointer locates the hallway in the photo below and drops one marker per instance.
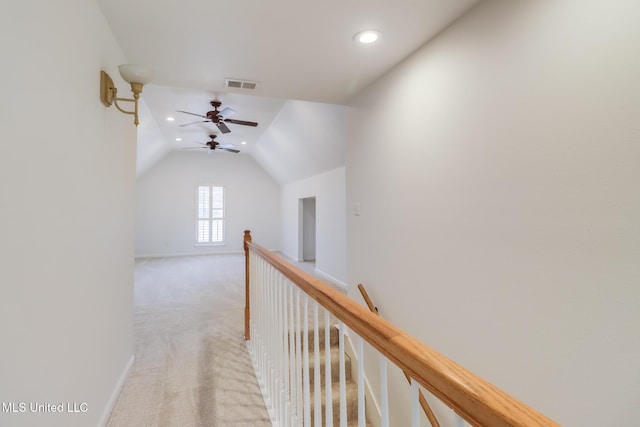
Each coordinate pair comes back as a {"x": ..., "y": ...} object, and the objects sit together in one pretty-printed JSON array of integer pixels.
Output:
[{"x": 192, "y": 367}]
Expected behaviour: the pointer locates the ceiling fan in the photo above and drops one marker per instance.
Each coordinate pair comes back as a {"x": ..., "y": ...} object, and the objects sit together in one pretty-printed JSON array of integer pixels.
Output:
[
  {"x": 214, "y": 145},
  {"x": 219, "y": 117}
]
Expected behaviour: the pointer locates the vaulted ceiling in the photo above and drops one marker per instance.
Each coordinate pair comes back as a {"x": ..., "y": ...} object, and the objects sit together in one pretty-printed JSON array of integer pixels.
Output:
[{"x": 301, "y": 54}]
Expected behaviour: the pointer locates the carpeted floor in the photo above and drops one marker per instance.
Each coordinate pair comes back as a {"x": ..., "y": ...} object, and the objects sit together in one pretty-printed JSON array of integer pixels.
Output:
[{"x": 192, "y": 367}]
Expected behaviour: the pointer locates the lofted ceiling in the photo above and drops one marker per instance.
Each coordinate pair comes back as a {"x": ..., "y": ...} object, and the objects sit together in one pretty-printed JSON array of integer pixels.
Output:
[{"x": 302, "y": 55}]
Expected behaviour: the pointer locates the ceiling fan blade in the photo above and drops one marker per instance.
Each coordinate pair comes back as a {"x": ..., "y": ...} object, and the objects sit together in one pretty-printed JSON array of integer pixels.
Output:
[
  {"x": 193, "y": 123},
  {"x": 192, "y": 148},
  {"x": 226, "y": 112},
  {"x": 231, "y": 150},
  {"x": 241, "y": 122},
  {"x": 193, "y": 114},
  {"x": 223, "y": 128}
]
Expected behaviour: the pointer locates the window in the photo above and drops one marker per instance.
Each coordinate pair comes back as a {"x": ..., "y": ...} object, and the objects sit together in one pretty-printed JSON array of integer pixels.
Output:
[{"x": 210, "y": 227}]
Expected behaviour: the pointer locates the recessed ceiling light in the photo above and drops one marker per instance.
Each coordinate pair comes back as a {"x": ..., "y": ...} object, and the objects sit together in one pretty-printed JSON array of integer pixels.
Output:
[
  {"x": 244, "y": 143},
  {"x": 178, "y": 139},
  {"x": 170, "y": 119},
  {"x": 368, "y": 36}
]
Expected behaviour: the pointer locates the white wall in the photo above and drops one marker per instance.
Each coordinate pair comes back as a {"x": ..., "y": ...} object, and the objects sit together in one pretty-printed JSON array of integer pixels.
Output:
[
  {"x": 508, "y": 184},
  {"x": 328, "y": 188},
  {"x": 166, "y": 203},
  {"x": 151, "y": 145},
  {"x": 67, "y": 181}
]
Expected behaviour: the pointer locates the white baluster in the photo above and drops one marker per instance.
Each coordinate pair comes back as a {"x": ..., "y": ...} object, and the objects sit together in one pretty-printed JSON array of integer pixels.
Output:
[
  {"x": 269, "y": 367},
  {"x": 328, "y": 407},
  {"x": 273, "y": 354},
  {"x": 265, "y": 331},
  {"x": 260, "y": 306},
  {"x": 286, "y": 361},
  {"x": 275, "y": 363},
  {"x": 251, "y": 342},
  {"x": 263, "y": 307},
  {"x": 284, "y": 349},
  {"x": 272, "y": 340},
  {"x": 274, "y": 343},
  {"x": 362, "y": 417},
  {"x": 343, "y": 378},
  {"x": 262, "y": 290},
  {"x": 299, "y": 358},
  {"x": 305, "y": 363},
  {"x": 384, "y": 394},
  {"x": 292, "y": 359},
  {"x": 256, "y": 307},
  {"x": 254, "y": 303},
  {"x": 281, "y": 367},
  {"x": 317, "y": 391}
]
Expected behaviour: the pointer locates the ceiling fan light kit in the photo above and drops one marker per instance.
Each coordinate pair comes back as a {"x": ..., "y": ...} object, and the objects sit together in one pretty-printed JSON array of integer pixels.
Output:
[{"x": 136, "y": 75}]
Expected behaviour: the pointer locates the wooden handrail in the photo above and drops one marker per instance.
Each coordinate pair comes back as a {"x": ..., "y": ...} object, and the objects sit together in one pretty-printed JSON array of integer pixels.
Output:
[
  {"x": 367, "y": 300},
  {"x": 423, "y": 401},
  {"x": 473, "y": 398}
]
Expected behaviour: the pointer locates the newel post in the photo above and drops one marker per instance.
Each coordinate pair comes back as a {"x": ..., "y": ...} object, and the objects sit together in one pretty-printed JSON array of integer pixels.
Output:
[{"x": 247, "y": 313}]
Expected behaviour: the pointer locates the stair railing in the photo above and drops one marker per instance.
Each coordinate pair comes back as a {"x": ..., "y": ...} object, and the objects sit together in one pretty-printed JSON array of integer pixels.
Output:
[
  {"x": 283, "y": 331},
  {"x": 421, "y": 399}
]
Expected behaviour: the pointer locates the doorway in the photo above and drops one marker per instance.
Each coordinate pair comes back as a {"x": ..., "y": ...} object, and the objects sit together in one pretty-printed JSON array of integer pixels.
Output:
[{"x": 307, "y": 229}]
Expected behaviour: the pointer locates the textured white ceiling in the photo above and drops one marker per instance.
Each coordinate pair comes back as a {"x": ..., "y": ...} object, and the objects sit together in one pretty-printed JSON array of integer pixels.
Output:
[{"x": 294, "y": 49}]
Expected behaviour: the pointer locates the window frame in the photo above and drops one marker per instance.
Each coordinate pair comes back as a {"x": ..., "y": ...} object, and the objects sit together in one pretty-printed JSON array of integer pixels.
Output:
[{"x": 211, "y": 218}]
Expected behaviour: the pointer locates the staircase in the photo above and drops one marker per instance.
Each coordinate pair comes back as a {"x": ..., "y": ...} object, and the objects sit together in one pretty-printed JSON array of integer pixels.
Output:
[
  {"x": 275, "y": 292},
  {"x": 351, "y": 386}
]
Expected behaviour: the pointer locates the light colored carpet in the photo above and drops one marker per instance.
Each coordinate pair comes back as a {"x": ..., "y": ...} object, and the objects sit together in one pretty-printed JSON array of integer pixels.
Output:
[{"x": 192, "y": 366}]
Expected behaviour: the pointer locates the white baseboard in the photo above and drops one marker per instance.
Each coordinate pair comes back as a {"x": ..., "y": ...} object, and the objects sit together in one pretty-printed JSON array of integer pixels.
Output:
[
  {"x": 286, "y": 256},
  {"x": 116, "y": 392},
  {"x": 332, "y": 279},
  {"x": 322, "y": 274},
  {"x": 183, "y": 254}
]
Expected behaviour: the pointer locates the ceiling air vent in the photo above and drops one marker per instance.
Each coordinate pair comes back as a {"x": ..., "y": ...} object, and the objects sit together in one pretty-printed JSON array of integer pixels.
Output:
[{"x": 240, "y": 84}]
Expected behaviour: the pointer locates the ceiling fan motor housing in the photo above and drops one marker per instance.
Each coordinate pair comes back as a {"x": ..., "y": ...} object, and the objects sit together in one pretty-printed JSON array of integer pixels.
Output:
[
  {"x": 213, "y": 143},
  {"x": 213, "y": 116}
]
